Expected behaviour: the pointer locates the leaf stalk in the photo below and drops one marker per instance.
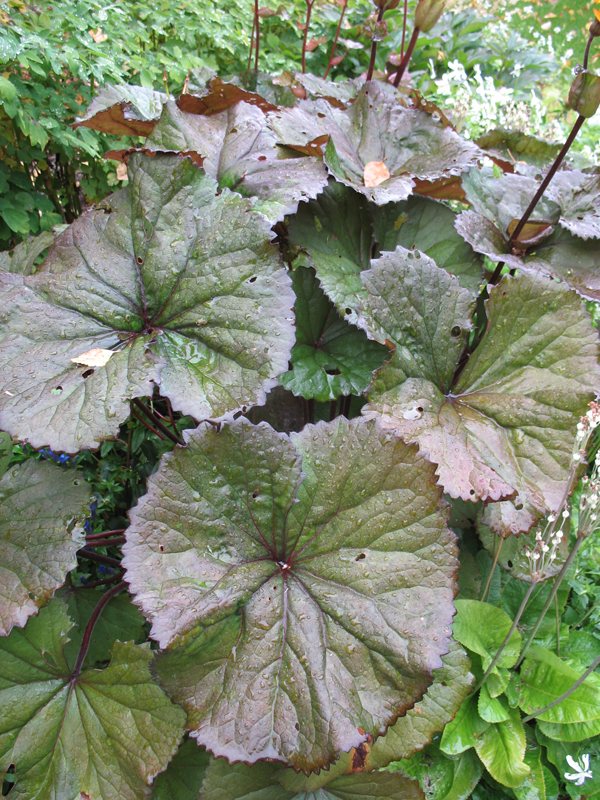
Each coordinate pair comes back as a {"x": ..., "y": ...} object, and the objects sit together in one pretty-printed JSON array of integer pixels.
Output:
[{"x": 89, "y": 628}]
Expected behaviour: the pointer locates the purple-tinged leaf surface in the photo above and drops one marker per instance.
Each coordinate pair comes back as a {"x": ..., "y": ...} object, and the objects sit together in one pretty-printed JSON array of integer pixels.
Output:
[{"x": 123, "y": 110}]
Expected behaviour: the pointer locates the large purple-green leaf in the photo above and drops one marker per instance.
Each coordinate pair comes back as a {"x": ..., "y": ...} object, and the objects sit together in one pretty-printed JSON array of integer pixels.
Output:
[
  {"x": 101, "y": 736},
  {"x": 302, "y": 585},
  {"x": 123, "y": 110},
  {"x": 505, "y": 429},
  {"x": 182, "y": 285},
  {"x": 376, "y": 128},
  {"x": 264, "y": 781},
  {"x": 330, "y": 357},
  {"x": 239, "y": 150},
  {"x": 39, "y": 506},
  {"x": 336, "y": 232}
]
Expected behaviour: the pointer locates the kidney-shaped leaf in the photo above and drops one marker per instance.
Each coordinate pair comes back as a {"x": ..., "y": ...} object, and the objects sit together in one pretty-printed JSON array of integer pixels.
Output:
[
  {"x": 239, "y": 150},
  {"x": 103, "y": 735},
  {"x": 39, "y": 504},
  {"x": 184, "y": 288},
  {"x": 264, "y": 781},
  {"x": 123, "y": 110},
  {"x": 505, "y": 429},
  {"x": 304, "y": 586},
  {"x": 330, "y": 357},
  {"x": 376, "y": 128}
]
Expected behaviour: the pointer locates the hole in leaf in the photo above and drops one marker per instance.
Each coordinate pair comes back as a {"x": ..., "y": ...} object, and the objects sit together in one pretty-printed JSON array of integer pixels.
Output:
[
  {"x": 31, "y": 596},
  {"x": 360, "y": 557},
  {"x": 333, "y": 371},
  {"x": 348, "y": 311},
  {"x": 320, "y": 114},
  {"x": 140, "y": 260},
  {"x": 455, "y": 332},
  {"x": 161, "y": 547},
  {"x": 252, "y": 279},
  {"x": 57, "y": 390},
  {"x": 472, "y": 492},
  {"x": 519, "y": 506},
  {"x": 87, "y": 373},
  {"x": 420, "y": 408},
  {"x": 297, "y": 726},
  {"x": 262, "y": 158},
  {"x": 9, "y": 780},
  {"x": 76, "y": 482},
  {"x": 509, "y": 563},
  {"x": 255, "y": 494}
]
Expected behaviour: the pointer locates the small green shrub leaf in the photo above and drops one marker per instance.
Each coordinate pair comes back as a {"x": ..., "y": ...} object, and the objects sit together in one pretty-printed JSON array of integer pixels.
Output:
[
  {"x": 123, "y": 110},
  {"x": 505, "y": 429},
  {"x": 463, "y": 731},
  {"x": 104, "y": 734},
  {"x": 183, "y": 286},
  {"x": 502, "y": 750},
  {"x": 376, "y": 129},
  {"x": 330, "y": 357},
  {"x": 482, "y": 628},
  {"x": 239, "y": 150},
  {"x": 292, "y": 574},
  {"x": 38, "y": 503}
]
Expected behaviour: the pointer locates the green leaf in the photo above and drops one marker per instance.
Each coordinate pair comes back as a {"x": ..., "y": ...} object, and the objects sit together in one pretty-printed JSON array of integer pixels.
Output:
[
  {"x": 239, "y": 150},
  {"x": 38, "y": 544},
  {"x": 183, "y": 777},
  {"x": 492, "y": 709},
  {"x": 330, "y": 357},
  {"x": 123, "y": 110},
  {"x": 293, "y": 574},
  {"x": 464, "y": 730},
  {"x": 104, "y": 734},
  {"x": 376, "y": 128},
  {"x": 16, "y": 219},
  {"x": 505, "y": 429},
  {"x": 452, "y": 683},
  {"x": 22, "y": 258},
  {"x": 468, "y": 770},
  {"x": 6, "y": 451},
  {"x": 120, "y": 620},
  {"x": 482, "y": 628},
  {"x": 509, "y": 145},
  {"x": 534, "y": 785},
  {"x": 427, "y": 225},
  {"x": 545, "y": 677},
  {"x": 578, "y": 195},
  {"x": 571, "y": 731},
  {"x": 8, "y": 91},
  {"x": 432, "y": 769},
  {"x": 264, "y": 781},
  {"x": 183, "y": 286},
  {"x": 335, "y": 230},
  {"x": 502, "y": 750}
]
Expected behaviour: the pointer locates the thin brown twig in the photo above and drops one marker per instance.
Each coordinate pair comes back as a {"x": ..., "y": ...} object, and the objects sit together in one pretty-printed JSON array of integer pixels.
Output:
[
  {"x": 406, "y": 58},
  {"x": 309, "y": 5}
]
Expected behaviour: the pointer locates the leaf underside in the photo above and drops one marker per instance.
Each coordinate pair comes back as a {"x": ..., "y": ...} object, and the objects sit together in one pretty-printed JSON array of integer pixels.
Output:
[
  {"x": 306, "y": 593},
  {"x": 123, "y": 110},
  {"x": 204, "y": 314}
]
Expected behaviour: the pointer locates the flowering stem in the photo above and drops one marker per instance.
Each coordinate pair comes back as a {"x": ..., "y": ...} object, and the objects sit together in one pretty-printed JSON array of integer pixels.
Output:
[
  {"x": 374, "y": 47},
  {"x": 551, "y": 596},
  {"x": 488, "y": 583},
  {"x": 500, "y": 650},
  {"x": 335, "y": 41},
  {"x": 407, "y": 56},
  {"x": 566, "y": 694}
]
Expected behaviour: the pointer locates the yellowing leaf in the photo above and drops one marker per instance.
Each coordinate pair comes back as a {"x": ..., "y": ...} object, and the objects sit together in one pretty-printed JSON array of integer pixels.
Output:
[
  {"x": 375, "y": 172},
  {"x": 98, "y": 36},
  {"x": 122, "y": 172},
  {"x": 97, "y": 357}
]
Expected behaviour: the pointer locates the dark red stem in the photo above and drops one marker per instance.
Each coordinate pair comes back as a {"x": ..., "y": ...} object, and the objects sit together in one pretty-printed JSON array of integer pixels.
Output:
[
  {"x": 406, "y": 58},
  {"x": 374, "y": 47},
  {"x": 154, "y": 419},
  {"x": 110, "y": 562},
  {"x": 257, "y": 26},
  {"x": 309, "y": 6},
  {"x": 89, "y": 628},
  {"x": 106, "y": 542},
  {"x": 251, "y": 43},
  {"x": 335, "y": 41},
  {"x": 116, "y": 577},
  {"x": 147, "y": 424},
  {"x": 587, "y": 50},
  {"x": 104, "y": 534},
  {"x": 404, "y": 28}
]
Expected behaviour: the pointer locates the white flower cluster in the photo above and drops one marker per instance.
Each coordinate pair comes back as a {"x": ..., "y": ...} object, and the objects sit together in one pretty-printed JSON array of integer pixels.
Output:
[
  {"x": 589, "y": 503},
  {"x": 547, "y": 542},
  {"x": 582, "y": 769}
]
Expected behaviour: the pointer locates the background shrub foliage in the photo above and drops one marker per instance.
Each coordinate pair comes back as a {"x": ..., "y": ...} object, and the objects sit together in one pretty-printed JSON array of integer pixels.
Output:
[{"x": 293, "y": 489}]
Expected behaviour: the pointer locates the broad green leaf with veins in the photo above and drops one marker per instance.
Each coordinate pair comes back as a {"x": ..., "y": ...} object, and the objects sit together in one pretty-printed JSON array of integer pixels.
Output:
[
  {"x": 501, "y": 747},
  {"x": 303, "y": 585},
  {"x": 239, "y": 150},
  {"x": 330, "y": 357},
  {"x": 503, "y": 430},
  {"x": 376, "y": 128},
  {"x": 183, "y": 777},
  {"x": 39, "y": 505},
  {"x": 103, "y": 735},
  {"x": 264, "y": 781},
  {"x": 183, "y": 286}
]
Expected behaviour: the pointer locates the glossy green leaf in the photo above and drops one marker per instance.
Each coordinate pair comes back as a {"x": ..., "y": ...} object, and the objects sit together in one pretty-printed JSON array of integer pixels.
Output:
[
  {"x": 123, "y": 110},
  {"x": 103, "y": 735},
  {"x": 433, "y": 770},
  {"x": 292, "y": 574},
  {"x": 376, "y": 128},
  {"x": 502, "y": 750},
  {"x": 464, "y": 730},
  {"x": 545, "y": 677},
  {"x": 183, "y": 286},
  {"x": 468, "y": 770},
  {"x": 183, "y": 777},
  {"x": 534, "y": 785},
  {"x": 427, "y": 225},
  {"x": 239, "y": 150},
  {"x": 330, "y": 357},
  {"x": 570, "y": 731},
  {"x": 265, "y": 781},
  {"x": 482, "y": 628},
  {"x": 39, "y": 506},
  {"x": 492, "y": 709},
  {"x": 335, "y": 230},
  {"x": 505, "y": 429},
  {"x": 452, "y": 683}
]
